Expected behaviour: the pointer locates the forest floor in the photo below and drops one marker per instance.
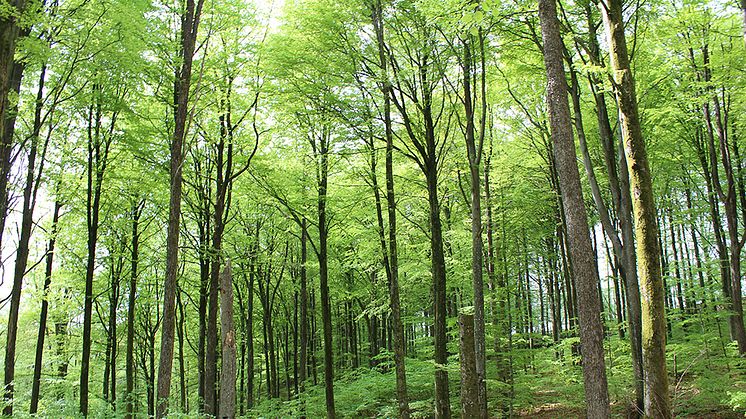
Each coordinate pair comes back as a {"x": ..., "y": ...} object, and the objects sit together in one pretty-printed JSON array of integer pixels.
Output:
[{"x": 705, "y": 383}]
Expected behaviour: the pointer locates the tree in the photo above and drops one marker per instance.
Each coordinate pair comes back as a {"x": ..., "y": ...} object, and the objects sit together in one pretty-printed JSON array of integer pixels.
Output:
[
  {"x": 646, "y": 228},
  {"x": 10, "y": 80},
  {"x": 583, "y": 262},
  {"x": 182, "y": 81}
]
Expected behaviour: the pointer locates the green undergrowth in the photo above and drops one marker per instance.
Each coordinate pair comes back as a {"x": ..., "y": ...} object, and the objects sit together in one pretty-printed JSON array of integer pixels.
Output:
[{"x": 548, "y": 382}]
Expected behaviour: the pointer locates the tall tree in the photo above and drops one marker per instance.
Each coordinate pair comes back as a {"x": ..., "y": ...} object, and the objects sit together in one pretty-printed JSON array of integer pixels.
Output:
[
  {"x": 582, "y": 256},
  {"x": 391, "y": 258},
  {"x": 10, "y": 80},
  {"x": 190, "y": 19},
  {"x": 100, "y": 136},
  {"x": 228, "y": 370},
  {"x": 657, "y": 403},
  {"x": 43, "y": 314}
]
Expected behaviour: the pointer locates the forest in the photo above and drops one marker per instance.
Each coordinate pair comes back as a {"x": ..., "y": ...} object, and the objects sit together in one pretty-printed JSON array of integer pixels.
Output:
[{"x": 373, "y": 208}]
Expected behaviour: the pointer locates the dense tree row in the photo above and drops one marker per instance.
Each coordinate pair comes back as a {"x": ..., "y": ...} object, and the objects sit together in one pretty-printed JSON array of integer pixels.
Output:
[{"x": 381, "y": 208}]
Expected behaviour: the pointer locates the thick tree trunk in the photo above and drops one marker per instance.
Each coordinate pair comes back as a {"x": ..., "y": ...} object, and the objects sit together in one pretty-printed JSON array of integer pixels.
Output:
[
  {"x": 211, "y": 351},
  {"x": 10, "y": 80},
  {"x": 657, "y": 403},
  {"x": 442, "y": 399},
  {"x": 581, "y": 251},
  {"x": 228, "y": 370}
]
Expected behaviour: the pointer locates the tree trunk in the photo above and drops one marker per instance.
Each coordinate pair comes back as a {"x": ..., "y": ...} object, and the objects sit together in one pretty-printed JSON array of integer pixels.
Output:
[
  {"x": 36, "y": 381},
  {"x": 470, "y": 407},
  {"x": 228, "y": 370},
  {"x": 581, "y": 251},
  {"x": 657, "y": 403},
  {"x": 10, "y": 80},
  {"x": 474, "y": 155},
  {"x": 442, "y": 400},
  {"x": 182, "y": 82},
  {"x": 97, "y": 162},
  {"x": 326, "y": 315},
  {"x": 393, "y": 258},
  {"x": 130, "y": 356},
  {"x": 22, "y": 253},
  {"x": 302, "y": 369}
]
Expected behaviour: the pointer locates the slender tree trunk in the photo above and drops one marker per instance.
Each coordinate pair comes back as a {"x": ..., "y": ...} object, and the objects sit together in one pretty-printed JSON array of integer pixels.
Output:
[
  {"x": 130, "y": 356},
  {"x": 182, "y": 82},
  {"x": 657, "y": 403},
  {"x": 474, "y": 154},
  {"x": 581, "y": 251},
  {"x": 393, "y": 258},
  {"x": 250, "y": 321},
  {"x": 302, "y": 372},
  {"x": 228, "y": 370},
  {"x": 180, "y": 335},
  {"x": 326, "y": 315},
  {"x": 36, "y": 381},
  {"x": 22, "y": 253},
  {"x": 97, "y": 162}
]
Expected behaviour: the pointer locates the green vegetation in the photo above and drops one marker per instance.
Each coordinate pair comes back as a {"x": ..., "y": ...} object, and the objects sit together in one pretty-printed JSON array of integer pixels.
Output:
[{"x": 423, "y": 208}]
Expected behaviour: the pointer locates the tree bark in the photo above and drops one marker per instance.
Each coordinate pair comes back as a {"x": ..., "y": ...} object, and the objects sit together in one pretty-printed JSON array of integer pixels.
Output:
[
  {"x": 326, "y": 315},
  {"x": 581, "y": 251},
  {"x": 474, "y": 155},
  {"x": 653, "y": 333},
  {"x": 36, "y": 381},
  {"x": 182, "y": 82},
  {"x": 470, "y": 407},
  {"x": 393, "y": 259},
  {"x": 98, "y": 152},
  {"x": 137, "y": 209},
  {"x": 29, "y": 203},
  {"x": 228, "y": 370},
  {"x": 10, "y": 80}
]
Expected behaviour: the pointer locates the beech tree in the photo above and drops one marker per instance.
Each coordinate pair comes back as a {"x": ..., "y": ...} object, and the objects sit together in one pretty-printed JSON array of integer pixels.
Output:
[{"x": 363, "y": 208}]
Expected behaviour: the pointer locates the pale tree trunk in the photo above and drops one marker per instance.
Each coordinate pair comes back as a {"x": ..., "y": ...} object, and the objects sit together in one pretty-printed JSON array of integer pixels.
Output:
[
  {"x": 579, "y": 242},
  {"x": 657, "y": 402},
  {"x": 228, "y": 370}
]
